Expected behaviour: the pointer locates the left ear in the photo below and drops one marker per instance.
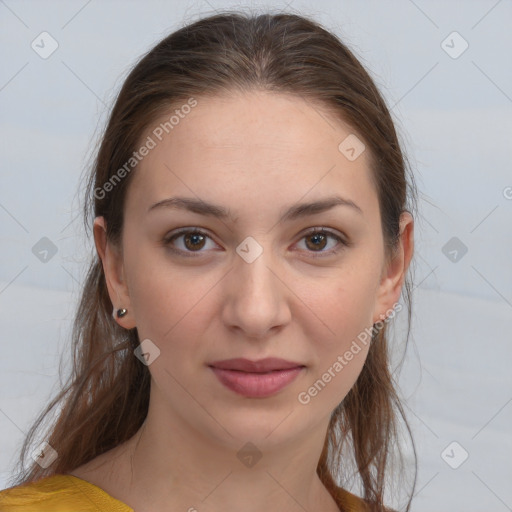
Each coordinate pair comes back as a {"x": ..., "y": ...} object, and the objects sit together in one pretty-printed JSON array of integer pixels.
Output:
[{"x": 395, "y": 269}]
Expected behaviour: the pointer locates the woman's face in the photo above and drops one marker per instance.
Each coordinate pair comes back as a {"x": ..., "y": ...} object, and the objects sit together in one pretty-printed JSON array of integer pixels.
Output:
[{"x": 256, "y": 282}]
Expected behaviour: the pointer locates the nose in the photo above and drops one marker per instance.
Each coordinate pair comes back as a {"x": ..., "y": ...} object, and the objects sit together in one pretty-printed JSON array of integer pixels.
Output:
[{"x": 256, "y": 301}]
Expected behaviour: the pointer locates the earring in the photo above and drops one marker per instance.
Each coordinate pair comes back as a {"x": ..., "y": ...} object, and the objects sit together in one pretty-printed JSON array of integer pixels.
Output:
[{"x": 121, "y": 313}]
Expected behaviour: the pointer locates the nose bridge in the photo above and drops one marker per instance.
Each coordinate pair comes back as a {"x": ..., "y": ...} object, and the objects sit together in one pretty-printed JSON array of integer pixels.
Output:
[
  {"x": 255, "y": 277},
  {"x": 257, "y": 298}
]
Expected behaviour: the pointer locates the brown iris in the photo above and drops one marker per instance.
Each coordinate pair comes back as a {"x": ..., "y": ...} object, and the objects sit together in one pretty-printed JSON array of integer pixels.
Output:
[
  {"x": 322, "y": 237},
  {"x": 194, "y": 238}
]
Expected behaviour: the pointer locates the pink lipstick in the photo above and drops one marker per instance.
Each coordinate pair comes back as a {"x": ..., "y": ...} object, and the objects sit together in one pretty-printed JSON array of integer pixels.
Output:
[{"x": 256, "y": 379}]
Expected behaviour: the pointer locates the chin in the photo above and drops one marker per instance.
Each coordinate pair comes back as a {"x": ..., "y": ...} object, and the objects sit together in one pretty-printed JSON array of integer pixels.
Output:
[{"x": 265, "y": 427}]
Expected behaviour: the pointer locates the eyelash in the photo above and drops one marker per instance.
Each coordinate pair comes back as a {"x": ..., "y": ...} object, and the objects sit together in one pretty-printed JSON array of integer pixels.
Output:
[{"x": 319, "y": 254}]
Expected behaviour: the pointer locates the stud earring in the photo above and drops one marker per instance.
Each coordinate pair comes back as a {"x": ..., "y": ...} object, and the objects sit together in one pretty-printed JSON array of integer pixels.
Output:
[{"x": 119, "y": 313}]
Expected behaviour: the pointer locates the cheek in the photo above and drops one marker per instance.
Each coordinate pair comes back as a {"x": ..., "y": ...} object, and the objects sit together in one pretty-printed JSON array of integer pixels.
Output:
[
  {"x": 169, "y": 304},
  {"x": 342, "y": 332},
  {"x": 343, "y": 307},
  {"x": 340, "y": 350},
  {"x": 163, "y": 305}
]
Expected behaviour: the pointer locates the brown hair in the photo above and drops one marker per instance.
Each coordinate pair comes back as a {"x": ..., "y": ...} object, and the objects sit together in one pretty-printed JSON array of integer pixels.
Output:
[{"x": 106, "y": 397}]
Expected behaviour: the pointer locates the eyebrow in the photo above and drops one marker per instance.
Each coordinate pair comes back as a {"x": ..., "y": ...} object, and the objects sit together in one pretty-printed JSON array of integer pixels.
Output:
[{"x": 292, "y": 213}]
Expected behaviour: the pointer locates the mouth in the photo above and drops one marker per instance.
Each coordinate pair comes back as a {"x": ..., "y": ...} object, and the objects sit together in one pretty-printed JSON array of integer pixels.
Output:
[{"x": 256, "y": 379}]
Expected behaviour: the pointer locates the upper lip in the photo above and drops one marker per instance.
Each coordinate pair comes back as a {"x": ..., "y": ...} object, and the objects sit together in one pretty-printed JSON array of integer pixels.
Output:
[{"x": 262, "y": 365}]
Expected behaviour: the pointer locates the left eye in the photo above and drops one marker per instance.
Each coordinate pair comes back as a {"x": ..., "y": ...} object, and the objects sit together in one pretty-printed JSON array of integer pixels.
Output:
[
  {"x": 319, "y": 239},
  {"x": 193, "y": 240}
]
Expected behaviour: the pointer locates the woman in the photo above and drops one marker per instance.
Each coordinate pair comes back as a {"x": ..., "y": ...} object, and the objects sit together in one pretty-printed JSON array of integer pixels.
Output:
[{"x": 253, "y": 236}]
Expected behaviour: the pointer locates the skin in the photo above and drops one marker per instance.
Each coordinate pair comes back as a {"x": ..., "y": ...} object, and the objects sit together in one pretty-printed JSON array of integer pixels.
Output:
[{"x": 255, "y": 153}]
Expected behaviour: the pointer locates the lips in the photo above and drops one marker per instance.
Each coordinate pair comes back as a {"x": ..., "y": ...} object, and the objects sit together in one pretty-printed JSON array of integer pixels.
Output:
[
  {"x": 256, "y": 379},
  {"x": 262, "y": 366}
]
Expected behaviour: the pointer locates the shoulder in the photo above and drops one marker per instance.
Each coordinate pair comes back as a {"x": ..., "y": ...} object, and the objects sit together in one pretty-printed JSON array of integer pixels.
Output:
[
  {"x": 349, "y": 502},
  {"x": 59, "y": 493}
]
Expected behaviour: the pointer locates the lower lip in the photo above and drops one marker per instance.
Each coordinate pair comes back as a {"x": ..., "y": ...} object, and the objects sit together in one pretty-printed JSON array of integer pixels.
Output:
[{"x": 256, "y": 385}]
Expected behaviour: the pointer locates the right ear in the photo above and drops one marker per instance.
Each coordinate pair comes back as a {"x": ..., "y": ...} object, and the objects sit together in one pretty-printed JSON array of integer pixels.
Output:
[{"x": 113, "y": 269}]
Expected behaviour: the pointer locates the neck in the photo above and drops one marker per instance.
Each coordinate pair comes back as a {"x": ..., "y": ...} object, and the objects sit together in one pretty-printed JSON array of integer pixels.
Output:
[{"x": 169, "y": 465}]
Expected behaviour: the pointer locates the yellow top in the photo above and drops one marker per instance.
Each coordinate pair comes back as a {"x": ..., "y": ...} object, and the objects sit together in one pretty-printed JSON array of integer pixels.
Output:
[
  {"x": 68, "y": 493},
  {"x": 59, "y": 493}
]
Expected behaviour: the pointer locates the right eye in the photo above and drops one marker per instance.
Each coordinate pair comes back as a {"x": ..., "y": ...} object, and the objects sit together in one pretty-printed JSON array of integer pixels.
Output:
[{"x": 192, "y": 241}]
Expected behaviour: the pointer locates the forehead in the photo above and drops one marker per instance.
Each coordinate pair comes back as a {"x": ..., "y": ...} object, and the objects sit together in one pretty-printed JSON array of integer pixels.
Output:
[{"x": 250, "y": 146}]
